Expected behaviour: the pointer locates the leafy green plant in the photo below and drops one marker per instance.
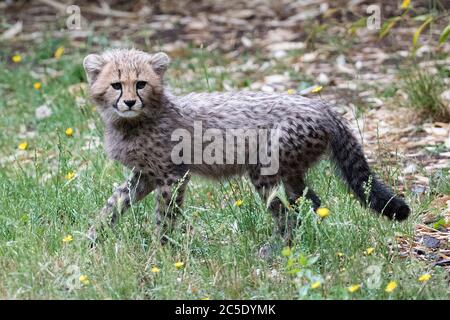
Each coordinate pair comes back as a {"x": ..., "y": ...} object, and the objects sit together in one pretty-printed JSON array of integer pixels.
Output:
[
  {"x": 300, "y": 266},
  {"x": 423, "y": 91}
]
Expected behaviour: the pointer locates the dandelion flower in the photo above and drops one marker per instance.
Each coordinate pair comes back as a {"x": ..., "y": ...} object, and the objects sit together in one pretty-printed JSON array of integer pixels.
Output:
[
  {"x": 340, "y": 254},
  {"x": 286, "y": 252},
  {"x": 323, "y": 212},
  {"x": 316, "y": 285},
  {"x": 23, "y": 145},
  {"x": 291, "y": 91},
  {"x": 16, "y": 58},
  {"x": 70, "y": 175},
  {"x": 37, "y": 85},
  {"x": 238, "y": 203},
  {"x": 67, "y": 238},
  {"x": 317, "y": 89},
  {"x": 354, "y": 288},
  {"x": 425, "y": 277},
  {"x": 405, "y": 4},
  {"x": 369, "y": 251},
  {"x": 43, "y": 112},
  {"x": 155, "y": 270},
  {"x": 69, "y": 132},
  {"x": 59, "y": 52},
  {"x": 391, "y": 286},
  {"x": 179, "y": 265},
  {"x": 84, "y": 279}
]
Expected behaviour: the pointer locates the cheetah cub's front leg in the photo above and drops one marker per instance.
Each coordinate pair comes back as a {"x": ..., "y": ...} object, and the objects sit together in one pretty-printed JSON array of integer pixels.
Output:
[
  {"x": 169, "y": 199},
  {"x": 134, "y": 189}
]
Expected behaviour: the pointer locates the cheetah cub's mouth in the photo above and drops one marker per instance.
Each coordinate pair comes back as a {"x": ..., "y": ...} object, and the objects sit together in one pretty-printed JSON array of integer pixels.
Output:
[{"x": 127, "y": 113}]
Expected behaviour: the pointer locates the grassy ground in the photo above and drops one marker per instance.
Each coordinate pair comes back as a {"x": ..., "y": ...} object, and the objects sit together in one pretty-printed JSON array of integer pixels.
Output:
[{"x": 216, "y": 239}]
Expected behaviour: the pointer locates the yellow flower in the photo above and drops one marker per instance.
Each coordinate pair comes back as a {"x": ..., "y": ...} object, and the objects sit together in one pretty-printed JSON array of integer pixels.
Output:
[
  {"x": 155, "y": 270},
  {"x": 70, "y": 175},
  {"x": 391, "y": 286},
  {"x": 316, "y": 285},
  {"x": 84, "y": 279},
  {"x": 425, "y": 277},
  {"x": 205, "y": 298},
  {"x": 405, "y": 4},
  {"x": 16, "y": 58},
  {"x": 238, "y": 203},
  {"x": 23, "y": 146},
  {"x": 291, "y": 91},
  {"x": 323, "y": 212},
  {"x": 37, "y": 85},
  {"x": 354, "y": 288},
  {"x": 317, "y": 89},
  {"x": 67, "y": 238},
  {"x": 59, "y": 52},
  {"x": 286, "y": 252},
  {"x": 369, "y": 251},
  {"x": 179, "y": 265},
  {"x": 69, "y": 132},
  {"x": 340, "y": 254}
]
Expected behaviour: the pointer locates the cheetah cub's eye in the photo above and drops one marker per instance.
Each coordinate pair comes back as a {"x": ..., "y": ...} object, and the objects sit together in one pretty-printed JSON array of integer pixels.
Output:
[
  {"x": 140, "y": 84},
  {"x": 116, "y": 86}
]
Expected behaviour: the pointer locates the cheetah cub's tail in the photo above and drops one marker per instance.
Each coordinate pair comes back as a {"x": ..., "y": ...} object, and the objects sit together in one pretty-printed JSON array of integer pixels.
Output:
[{"x": 349, "y": 157}]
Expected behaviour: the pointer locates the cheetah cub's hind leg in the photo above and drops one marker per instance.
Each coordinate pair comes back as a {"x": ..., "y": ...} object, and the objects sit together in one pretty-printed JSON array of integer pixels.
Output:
[
  {"x": 294, "y": 188},
  {"x": 169, "y": 200},
  {"x": 134, "y": 189},
  {"x": 265, "y": 185}
]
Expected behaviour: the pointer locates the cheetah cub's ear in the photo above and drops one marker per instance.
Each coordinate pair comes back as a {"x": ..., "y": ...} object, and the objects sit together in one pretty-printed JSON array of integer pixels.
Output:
[
  {"x": 160, "y": 62},
  {"x": 93, "y": 64}
]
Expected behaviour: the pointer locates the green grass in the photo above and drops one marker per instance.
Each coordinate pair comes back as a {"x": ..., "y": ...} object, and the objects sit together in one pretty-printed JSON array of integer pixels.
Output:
[
  {"x": 423, "y": 91},
  {"x": 217, "y": 241}
]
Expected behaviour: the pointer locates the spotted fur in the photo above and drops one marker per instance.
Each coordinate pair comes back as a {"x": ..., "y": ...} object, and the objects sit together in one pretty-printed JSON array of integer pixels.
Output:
[{"x": 142, "y": 140}]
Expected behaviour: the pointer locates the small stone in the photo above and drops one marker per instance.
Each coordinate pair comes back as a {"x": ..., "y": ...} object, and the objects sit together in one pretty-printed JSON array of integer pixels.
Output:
[
  {"x": 410, "y": 168},
  {"x": 358, "y": 65},
  {"x": 431, "y": 242},
  {"x": 276, "y": 78},
  {"x": 266, "y": 88},
  {"x": 323, "y": 79},
  {"x": 418, "y": 189}
]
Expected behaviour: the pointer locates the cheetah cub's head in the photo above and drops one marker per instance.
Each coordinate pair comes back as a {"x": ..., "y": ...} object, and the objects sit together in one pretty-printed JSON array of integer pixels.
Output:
[{"x": 125, "y": 83}]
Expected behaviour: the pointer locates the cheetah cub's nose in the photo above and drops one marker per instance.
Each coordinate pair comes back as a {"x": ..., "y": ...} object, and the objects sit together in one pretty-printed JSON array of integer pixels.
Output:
[{"x": 130, "y": 103}]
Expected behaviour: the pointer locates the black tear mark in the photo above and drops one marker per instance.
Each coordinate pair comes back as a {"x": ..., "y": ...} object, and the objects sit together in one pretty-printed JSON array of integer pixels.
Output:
[
  {"x": 140, "y": 98},
  {"x": 117, "y": 101}
]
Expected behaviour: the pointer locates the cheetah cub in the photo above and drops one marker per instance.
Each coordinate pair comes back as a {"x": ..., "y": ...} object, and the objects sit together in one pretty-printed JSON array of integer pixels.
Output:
[{"x": 221, "y": 137}]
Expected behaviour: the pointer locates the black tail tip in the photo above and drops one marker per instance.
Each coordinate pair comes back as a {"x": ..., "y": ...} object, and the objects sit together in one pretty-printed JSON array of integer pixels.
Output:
[{"x": 397, "y": 209}]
